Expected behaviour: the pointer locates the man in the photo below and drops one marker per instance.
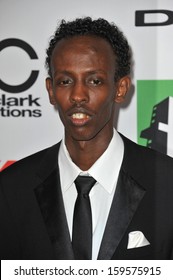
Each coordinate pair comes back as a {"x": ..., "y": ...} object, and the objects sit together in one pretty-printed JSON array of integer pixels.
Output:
[{"x": 129, "y": 209}]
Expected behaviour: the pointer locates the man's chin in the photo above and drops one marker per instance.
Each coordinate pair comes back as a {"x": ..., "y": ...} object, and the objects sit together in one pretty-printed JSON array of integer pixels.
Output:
[{"x": 81, "y": 138}]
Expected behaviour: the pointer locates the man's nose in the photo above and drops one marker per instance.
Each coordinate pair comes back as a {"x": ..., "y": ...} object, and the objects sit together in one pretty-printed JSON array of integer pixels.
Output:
[{"x": 79, "y": 93}]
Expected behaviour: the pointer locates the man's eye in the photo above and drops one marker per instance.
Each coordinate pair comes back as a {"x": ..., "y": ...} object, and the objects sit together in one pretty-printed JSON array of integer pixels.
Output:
[
  {"x": 95, "y": 82},
  {"x": 64, "y": 82}
]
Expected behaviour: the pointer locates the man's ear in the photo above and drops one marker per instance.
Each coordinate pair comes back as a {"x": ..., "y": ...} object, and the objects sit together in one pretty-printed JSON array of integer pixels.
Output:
[
  {"x": 122, "y": 89},
  {"x": 49, "y": 87}
]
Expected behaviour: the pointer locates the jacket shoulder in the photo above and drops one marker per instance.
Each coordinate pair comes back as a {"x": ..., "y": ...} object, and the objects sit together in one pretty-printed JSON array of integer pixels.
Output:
[
  {"x": 146, "y": 164},
  {"x": 29, "y": 164},
  {"x": 141, "y": 152}
]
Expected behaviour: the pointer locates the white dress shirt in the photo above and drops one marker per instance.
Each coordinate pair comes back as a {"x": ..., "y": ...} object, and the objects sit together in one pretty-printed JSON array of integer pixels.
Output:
[{"x": 105, "y": 171}]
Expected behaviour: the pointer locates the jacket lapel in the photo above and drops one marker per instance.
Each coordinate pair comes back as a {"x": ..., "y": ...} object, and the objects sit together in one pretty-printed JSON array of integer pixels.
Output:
[
  {"x": 127, "y": 198},
  {"x": 125, "y": 202},
  {"x": 49, "y": 198}
]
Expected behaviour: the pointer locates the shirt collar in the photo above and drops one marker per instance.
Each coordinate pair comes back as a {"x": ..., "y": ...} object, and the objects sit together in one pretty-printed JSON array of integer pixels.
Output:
[
  {"x": 105, "y": 170},
  {"x": 68, "y": 169}
]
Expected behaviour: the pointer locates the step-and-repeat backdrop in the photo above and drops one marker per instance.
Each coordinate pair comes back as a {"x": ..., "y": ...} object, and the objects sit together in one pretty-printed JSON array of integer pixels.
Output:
[{"x": 28, "y": 122}]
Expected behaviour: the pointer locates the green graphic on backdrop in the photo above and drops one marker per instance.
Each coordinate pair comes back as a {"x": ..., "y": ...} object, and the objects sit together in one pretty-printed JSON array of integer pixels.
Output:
[{"x": 149, "y": 94}]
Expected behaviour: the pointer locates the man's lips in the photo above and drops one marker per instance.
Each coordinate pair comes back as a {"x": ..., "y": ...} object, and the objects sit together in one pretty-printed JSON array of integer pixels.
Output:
[
  {"x": 79, "y": 116},
  {"x": 79, "y": 119}
]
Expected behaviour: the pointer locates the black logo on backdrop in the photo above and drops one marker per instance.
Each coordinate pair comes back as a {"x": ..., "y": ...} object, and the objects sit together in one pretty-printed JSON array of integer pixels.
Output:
[
  {"x": 140, "y": 18},
  {"x": 11, "y": 42},
  {"x": 157, "y": 138},
  {"x": 27, "y": 106}
]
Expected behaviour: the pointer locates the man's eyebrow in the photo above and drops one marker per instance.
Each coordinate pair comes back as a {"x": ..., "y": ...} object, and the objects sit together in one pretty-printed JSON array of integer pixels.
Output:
[
  {"x": 62, "y": 72},
  {"x": 89, "y": 72},
  {"x": 96, "y": 71}
]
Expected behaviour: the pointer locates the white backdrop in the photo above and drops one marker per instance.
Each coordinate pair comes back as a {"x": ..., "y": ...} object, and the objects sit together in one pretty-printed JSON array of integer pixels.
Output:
[{"x": 34, "y": 21}]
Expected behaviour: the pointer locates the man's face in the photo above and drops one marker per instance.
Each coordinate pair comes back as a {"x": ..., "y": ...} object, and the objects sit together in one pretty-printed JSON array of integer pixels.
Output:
[{"x": 83, "y": 86}]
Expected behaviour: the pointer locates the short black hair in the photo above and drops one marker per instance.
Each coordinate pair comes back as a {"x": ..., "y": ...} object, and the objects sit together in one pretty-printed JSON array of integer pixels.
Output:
[{"x": 101, "y": 28}]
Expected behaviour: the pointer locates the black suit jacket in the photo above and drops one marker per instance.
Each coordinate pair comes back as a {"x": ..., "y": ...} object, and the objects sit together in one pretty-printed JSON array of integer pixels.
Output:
[{"x": 32, "y": 215}]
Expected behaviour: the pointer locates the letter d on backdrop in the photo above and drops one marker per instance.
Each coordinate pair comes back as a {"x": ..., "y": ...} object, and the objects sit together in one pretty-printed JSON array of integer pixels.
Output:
[{"x": 140, "y": 17}]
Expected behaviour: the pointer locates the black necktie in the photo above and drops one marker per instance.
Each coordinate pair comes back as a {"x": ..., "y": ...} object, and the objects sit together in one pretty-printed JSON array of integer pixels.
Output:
[{"x": 82, "y": 219}]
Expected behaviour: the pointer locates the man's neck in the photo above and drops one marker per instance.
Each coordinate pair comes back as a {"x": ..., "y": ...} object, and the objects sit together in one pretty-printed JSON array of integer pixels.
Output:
[{"x": 85, "y": 153}]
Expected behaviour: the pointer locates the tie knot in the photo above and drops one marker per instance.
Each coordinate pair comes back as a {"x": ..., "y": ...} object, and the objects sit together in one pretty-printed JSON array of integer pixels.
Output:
[{"x": 84, "y": 184}]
